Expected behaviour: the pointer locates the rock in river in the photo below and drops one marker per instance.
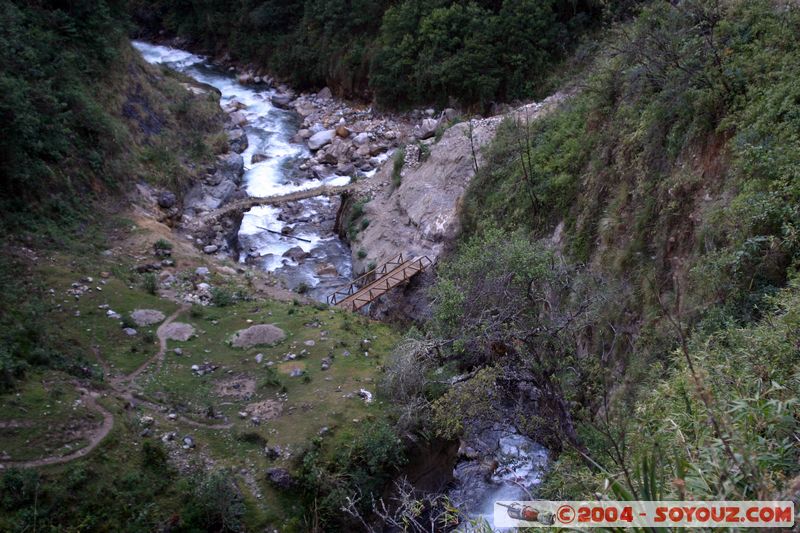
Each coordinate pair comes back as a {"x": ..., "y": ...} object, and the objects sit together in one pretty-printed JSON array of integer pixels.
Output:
[{"x": 318, "y": 140}]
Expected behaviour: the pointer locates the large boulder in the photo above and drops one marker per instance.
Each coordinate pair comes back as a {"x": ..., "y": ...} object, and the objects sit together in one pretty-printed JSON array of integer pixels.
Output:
[
  {"x": 237, "y": 140},
  {"x": 427, "y": 129},
  {"x": 361, "y": 139},
  {"x": 325, "y": 94},
  {"x": 282, "y": 101},
  {"x": 147, "y": 317},
  {"x": 260, "y": 334},
  {"x": 230, "y": 166},
  {"x": 296, "y": 254},
  {"x": 178, "y": 331},
  {"x": 238, "y": 118},
  {"x": 206, "y": 198},
  {"x": 318, "y": 140}
]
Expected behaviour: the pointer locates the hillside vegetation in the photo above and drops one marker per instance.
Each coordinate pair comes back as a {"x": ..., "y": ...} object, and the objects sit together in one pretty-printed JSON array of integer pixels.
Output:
[
  {"x": 406, "y": 53},
  {"x": 82, "y": 116},
  {"x": 633, "y": 258}
]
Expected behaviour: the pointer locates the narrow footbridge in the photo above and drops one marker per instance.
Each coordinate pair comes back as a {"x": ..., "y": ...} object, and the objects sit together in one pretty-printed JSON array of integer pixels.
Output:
[
  {"x": 245, "y": 204},
  {"x": 378, "y": 282}
]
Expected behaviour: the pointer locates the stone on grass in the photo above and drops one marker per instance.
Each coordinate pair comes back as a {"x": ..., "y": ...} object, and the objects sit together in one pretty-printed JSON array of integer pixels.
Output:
[
  {"x": 147, "y": 317},
  {"x": 280, "y": 478},
  {"x": 178, "y": 331},
  {"x": 260, "y": 334},
  {"x": 129, "y": 332}
]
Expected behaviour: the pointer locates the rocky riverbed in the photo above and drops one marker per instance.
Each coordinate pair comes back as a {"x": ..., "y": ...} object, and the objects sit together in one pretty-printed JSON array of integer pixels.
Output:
[{"x": 279, "y": 143}]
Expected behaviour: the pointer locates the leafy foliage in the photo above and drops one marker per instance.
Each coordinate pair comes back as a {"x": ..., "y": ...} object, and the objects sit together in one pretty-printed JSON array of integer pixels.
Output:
[
  {"x": 361, "y": 463},
  {"x": 405, "y": 52}
]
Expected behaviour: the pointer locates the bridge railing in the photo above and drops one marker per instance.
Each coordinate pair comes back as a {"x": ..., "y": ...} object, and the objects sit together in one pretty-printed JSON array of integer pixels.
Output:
[
  {"x": 412, "y": 267},
  {"x": 366, "y": 279}
]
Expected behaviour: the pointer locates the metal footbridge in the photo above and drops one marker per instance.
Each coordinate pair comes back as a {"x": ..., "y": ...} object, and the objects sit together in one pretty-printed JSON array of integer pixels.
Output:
[{"x": 377, "y": 282}]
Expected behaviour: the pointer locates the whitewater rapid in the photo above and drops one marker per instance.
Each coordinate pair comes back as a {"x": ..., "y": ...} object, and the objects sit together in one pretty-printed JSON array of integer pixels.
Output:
[{"x": 269, "y": 131}]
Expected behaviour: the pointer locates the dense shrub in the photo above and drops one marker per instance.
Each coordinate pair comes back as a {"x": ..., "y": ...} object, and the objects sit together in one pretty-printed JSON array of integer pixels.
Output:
[{"x": 360, "y": 465}]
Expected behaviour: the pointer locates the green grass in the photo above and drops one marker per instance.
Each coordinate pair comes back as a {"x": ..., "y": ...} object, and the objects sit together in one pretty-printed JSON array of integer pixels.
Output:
[{"x": 55, "y": 402}]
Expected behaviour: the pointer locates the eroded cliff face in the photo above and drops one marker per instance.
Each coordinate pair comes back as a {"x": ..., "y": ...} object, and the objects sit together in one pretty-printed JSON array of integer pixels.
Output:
[{"x": 421, "y": 215}]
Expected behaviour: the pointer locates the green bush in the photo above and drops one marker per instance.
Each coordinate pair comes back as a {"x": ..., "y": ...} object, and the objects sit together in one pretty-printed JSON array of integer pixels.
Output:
[
  {"x": 398, "y": 160},
  {"x": 361, "y": 460},
  {"x": 149, "y": 282},
  {"x": 222, "y": 296},
  {"x": 162, "y": 244}
]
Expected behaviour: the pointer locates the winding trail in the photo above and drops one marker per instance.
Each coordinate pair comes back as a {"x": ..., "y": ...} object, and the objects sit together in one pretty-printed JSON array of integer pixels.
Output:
[
  {"x": 121, "y": 386},
  {"x": 95, "y": 438}
]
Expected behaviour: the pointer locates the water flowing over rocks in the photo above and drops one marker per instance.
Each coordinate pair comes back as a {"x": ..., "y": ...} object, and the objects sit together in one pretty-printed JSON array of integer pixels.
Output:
[{"x": 496, "y": 464}]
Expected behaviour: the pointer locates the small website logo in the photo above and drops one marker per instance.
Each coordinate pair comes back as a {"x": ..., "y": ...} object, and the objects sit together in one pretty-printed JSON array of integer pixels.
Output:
[{"x": 584, "y": 514}]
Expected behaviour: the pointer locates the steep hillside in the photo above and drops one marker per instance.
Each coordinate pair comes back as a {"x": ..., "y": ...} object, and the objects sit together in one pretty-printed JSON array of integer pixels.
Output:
[
  {"x": 83, "y": 117},
  {"x": 623, "y": 256}
]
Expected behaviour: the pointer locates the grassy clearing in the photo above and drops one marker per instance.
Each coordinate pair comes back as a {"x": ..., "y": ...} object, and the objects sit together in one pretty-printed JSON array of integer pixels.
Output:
[{"x": 117, "y": 470}]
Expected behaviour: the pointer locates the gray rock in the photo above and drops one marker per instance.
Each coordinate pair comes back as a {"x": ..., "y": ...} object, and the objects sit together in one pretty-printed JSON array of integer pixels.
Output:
[
  {"x": 210, "y": 249},
  {"x": 129, "y": 332},
  {"x": 282, "y": 101},
  {"x": 361, "y": 139},
  {"x": 296, "y": 254},
  {"x": 178, "y": 351},
  {"x": 188, "y": 442},
  {"x": 167, "y": 199},
  {"x": 201, "y": 271},
  {"x": 238, "y": 118},
  {"x": 305, "y": 133},
  {"x": 345, "y": 169},
  {"x": 280, "y": 478},
  {"x": 257, "y": 158},
  {"x": 237, "y": 140},
  {"x": 325, "y": 94},
  {"x": 318, "y": 140},
  {"x": 178, "y": 331},
  {"x": 427, "y": 129},
  {"x": 449, "y": 114},
  {"x": 230, "y": 166},
  {"x": 147, "y": 317},
  {"x": 260, "y": 334}
]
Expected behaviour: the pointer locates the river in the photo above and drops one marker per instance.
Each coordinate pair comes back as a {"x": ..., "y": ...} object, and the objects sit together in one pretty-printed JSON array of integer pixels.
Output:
[{"x": 269, "y": 132}]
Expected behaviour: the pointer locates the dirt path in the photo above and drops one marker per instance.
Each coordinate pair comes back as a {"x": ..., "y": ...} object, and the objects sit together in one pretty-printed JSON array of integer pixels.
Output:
[
  {"x": 121, "y": 388},
  {"x": 159, "y": 357},
  {"x": 95, "y": 438}
]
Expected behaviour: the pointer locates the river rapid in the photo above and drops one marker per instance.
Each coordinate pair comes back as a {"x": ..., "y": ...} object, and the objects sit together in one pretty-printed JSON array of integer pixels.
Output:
[{"x": 317, "y": 259}]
